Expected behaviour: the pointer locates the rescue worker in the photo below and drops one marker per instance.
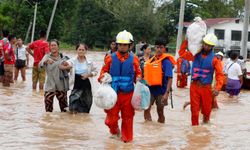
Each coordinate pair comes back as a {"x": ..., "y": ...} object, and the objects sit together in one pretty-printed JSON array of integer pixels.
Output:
[
  {"x": 220, "y": 56},
  {"x": 132, "y": 44},
  {"x": 204, "y": 65},
  {"x": 160, "y": 88},
  {"x": 182, "y": 76},
  {"x": 124, "y": 69}
]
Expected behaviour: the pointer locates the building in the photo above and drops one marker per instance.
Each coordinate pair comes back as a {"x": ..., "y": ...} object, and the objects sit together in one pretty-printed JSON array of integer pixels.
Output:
[{"x": 228, "y": 31}]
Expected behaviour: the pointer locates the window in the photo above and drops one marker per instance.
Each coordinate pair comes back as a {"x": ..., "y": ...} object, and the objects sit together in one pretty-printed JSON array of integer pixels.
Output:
[
  {"x": 236, "y": 35},
  {"x": 248, "y": 36},
  {"x": 237, "y": 21},
  {"x": 220, "y": 34}
]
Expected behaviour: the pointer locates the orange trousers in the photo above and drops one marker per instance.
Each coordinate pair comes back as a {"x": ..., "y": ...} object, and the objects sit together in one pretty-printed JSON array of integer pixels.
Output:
[
  {"x": 124, "y": 105},
  {"x": 181, "y": 81},
  {"x": 201, "y": 98}
]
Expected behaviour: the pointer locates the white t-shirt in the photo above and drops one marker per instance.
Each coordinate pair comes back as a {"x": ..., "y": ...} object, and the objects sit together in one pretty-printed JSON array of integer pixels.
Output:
[
  {"x": 21, "y": 53},
  {"x": 233, "y": 70},
  {"x": 241, "y": 63}
]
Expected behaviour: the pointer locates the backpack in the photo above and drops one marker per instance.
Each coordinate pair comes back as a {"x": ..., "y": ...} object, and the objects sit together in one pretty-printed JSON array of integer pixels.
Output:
[{"x": 185, "y": 67}]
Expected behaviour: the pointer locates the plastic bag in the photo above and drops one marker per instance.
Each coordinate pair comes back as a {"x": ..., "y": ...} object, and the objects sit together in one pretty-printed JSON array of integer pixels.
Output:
[
  {"x": 195, "y": 33},
  {"x": 106, "y": 78},
  {"x": 105, "y": 97},
  {"x": 141, "y": 97}
]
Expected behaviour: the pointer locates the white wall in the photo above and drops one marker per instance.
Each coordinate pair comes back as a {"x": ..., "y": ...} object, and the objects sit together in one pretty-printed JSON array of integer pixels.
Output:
[{"x": 228, "y": 27}]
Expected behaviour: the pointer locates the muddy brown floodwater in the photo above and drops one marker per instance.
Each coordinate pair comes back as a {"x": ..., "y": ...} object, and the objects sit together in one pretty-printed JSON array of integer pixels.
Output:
[{"x": 24, "y": 124}]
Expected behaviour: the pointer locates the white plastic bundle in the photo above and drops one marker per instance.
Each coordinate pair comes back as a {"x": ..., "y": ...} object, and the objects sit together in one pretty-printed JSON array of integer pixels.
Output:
[
  {"x": 105, "y": 97},
  {"x": 195, "y": 32}
]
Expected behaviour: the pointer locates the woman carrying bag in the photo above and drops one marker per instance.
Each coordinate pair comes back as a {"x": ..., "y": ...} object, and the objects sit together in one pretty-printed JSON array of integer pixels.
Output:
[
  {"x": 80, "y": 99},
  {"x": 57, "y": 80}
]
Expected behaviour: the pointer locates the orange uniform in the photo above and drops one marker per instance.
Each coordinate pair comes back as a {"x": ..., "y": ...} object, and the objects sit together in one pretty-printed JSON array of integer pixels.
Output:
[
  {"x": 200, "y": 94},
  {"x": 181, "y": 81},
  {"x": 123, "y": 103}
]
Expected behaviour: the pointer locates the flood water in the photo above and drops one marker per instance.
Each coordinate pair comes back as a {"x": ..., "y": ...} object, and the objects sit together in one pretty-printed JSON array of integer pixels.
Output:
[{"x": 24, "y": 124}]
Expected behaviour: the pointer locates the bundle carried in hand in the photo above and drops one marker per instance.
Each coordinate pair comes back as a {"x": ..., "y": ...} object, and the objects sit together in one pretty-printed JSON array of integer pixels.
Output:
[
  {"x": 141, "y": 97},
  {"x": 195, "y": 33},
  {"x": 105, "y": 97}
]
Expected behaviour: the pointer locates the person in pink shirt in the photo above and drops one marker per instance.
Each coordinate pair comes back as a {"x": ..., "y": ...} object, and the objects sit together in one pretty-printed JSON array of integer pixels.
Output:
[
  {"x": 38, "y": 49},
  {"x": 9, "y": 61},
  {"x": 3, "y": 42},
  {"x": 1, "y": 62}
]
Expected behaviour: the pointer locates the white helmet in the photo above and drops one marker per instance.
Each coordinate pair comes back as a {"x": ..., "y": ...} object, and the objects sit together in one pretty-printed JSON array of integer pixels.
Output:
[
  {"x": 210, "y": 39},
  {"x": 124, "y": 37},
  {"x": 220, "y": 54},
  {"x": 131, "y": 37}
]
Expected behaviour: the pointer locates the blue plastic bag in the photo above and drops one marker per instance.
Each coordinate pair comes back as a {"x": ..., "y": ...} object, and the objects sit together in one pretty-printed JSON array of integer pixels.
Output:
[{"x": 141, "y": 97}]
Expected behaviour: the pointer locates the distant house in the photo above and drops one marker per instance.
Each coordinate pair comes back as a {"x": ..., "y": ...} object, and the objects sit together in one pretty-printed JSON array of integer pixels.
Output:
[{"x": 228, "y": 31}]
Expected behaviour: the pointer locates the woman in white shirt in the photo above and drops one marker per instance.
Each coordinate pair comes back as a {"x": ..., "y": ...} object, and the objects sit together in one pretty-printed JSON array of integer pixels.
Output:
[
  {"x": 21, "y": 56},
  {"x": 234, "y": 76},
  {"x": 80, "y": 99}
]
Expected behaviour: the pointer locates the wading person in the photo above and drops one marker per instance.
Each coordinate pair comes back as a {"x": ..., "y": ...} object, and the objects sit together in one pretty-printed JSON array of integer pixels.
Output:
[
  {"x": 4, "y": 42},
  {"x": 20, "y": 64},
  {"x": 57, "y": 80},
  {"x": 124, "y": 69},
  {"x": 38, "y": 49},
  {"x": 234, "y": 76},
  {"x": 204, "y": 65},
  {"x": 220, "y": 56},
  {"x": 80, "y": 99},
  {"x": 112, "y": 49},
  {"x": 146, "y": 55},
  {"x": 1, "y": 62},
  {"x": 9, "y": 61},
  {"x": 183, "y": 70},
  {"x": 159, "y": 88}
]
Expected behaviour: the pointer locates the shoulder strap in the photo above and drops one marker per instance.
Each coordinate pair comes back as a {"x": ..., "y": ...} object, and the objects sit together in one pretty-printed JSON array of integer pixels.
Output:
[
  {"x": 61, "y": 55},
  {"x": 17, "y": 52},
  {"x": 230, "y": 66},
  {"x": 170, "y": 58},
  {"x": 151, "y": 59}
]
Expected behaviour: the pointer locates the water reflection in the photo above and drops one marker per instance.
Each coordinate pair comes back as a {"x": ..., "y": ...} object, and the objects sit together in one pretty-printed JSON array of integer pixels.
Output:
[{"x": 198, "y": 138}]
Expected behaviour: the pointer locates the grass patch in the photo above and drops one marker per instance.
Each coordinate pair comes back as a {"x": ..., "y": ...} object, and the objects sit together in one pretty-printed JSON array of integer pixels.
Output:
[{"x": 67, "y": 47}]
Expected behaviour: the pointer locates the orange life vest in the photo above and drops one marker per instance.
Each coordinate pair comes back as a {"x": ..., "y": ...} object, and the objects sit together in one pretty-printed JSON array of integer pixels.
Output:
[{"x": 153, "y": 69}]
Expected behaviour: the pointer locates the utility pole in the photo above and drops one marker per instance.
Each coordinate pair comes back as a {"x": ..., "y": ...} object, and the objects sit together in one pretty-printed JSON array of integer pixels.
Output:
[
  {"x": 51, "y": 19},
  {"x": 180, "y": 27},
  {"x": 243, "y": 50},
  {"x": 27, "y": 33},
  {"x": 34, "y": 23}
]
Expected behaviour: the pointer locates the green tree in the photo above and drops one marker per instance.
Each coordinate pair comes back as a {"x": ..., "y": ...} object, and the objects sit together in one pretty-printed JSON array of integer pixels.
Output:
[
  {"x": 94, "y": 24},
  {"x": 218, "y": 8},
  {"x": 136, "y": 16}
]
